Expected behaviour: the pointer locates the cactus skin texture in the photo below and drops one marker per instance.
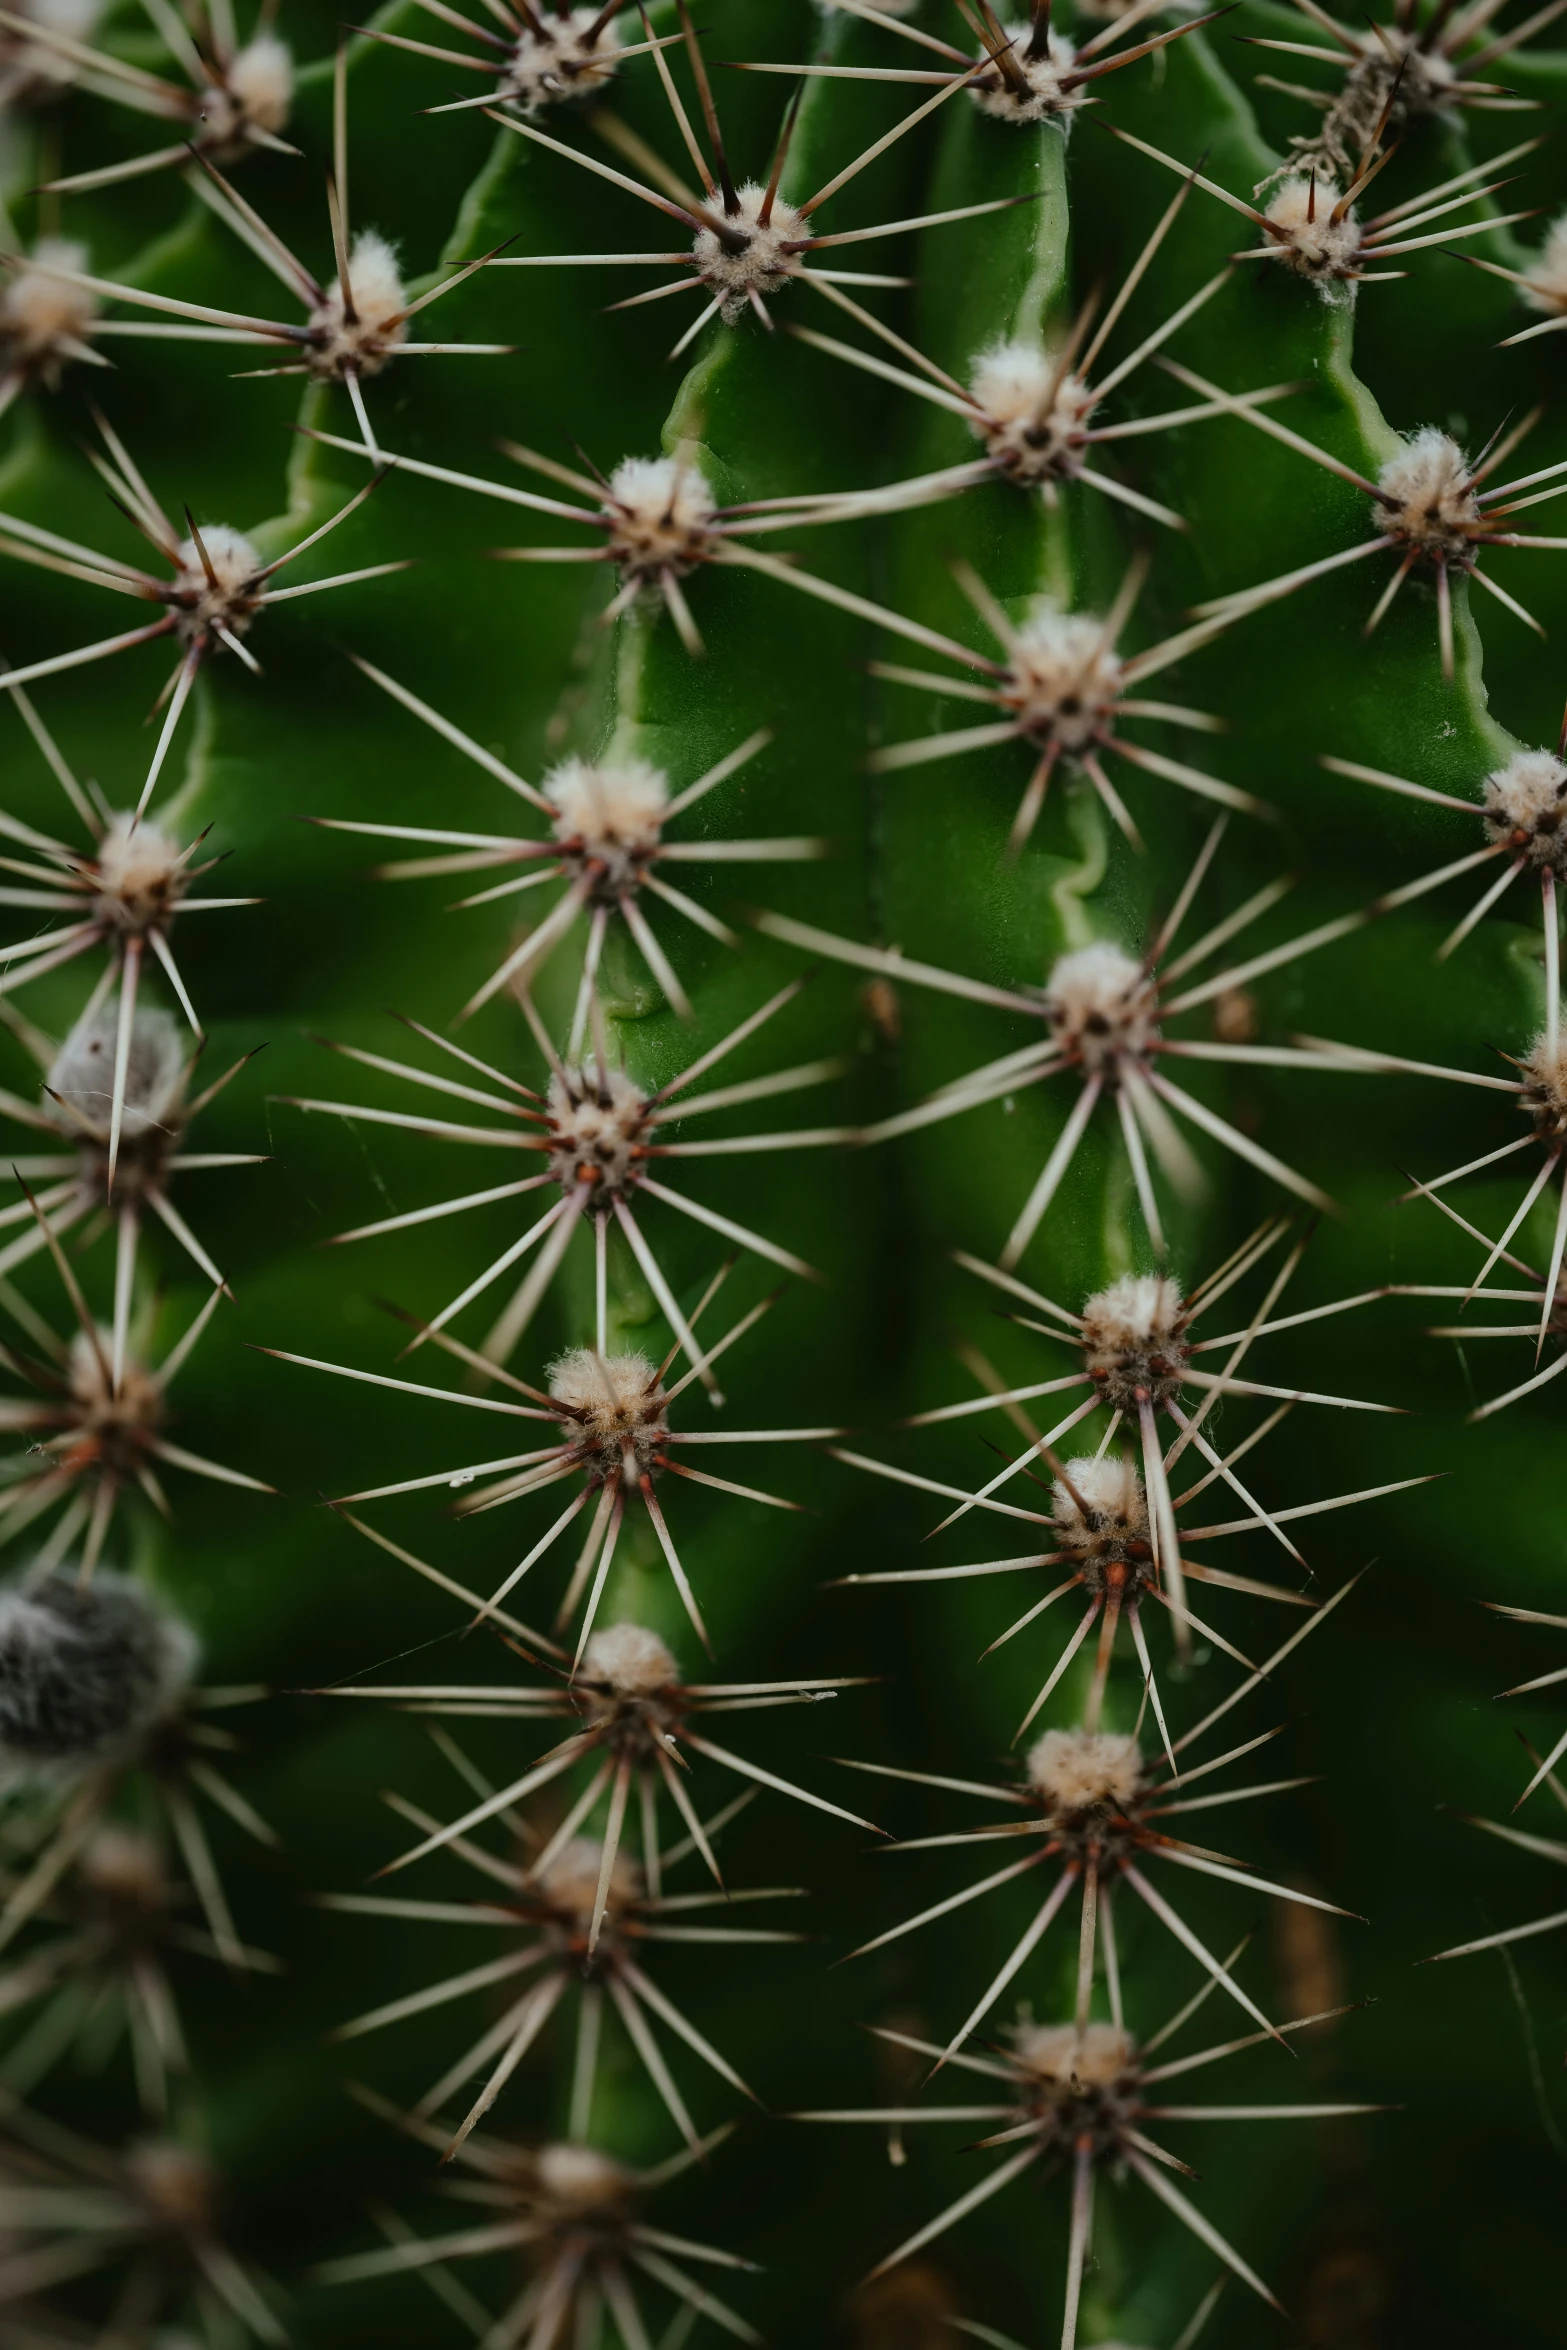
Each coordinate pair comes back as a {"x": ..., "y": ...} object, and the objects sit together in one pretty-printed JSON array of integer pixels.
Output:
[{"x": 1411, "y": 2197}]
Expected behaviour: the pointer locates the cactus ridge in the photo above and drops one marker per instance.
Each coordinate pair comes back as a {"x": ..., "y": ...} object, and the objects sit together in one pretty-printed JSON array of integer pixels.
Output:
[{"x": 1081, "y": 630}]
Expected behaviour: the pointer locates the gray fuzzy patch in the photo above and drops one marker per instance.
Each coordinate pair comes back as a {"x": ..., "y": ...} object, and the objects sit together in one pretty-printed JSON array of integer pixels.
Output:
[{"x": 85, "y": 1670}]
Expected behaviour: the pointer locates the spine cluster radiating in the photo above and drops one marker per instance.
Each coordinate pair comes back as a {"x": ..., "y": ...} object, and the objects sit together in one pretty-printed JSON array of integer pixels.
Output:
[{"x": 917, "y": 684}]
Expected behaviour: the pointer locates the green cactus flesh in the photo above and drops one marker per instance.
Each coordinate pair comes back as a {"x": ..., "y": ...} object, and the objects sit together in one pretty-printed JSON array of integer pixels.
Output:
[{"x": 1016, "y": 983}]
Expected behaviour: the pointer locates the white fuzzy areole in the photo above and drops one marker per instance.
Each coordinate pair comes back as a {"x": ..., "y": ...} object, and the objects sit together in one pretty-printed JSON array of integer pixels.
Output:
[
  {"x": 601, "y": 1384},
  {"x": 580, "y": 2177},
  {"x": 562, "y": 63},
  {"x": 1044, "y": 99},
  {"x": 610, "y": 816},
  {"x": 1032, "y": 417},
  {"x": 141, "y": 874},
  {"x": 660, "y": 512},
  {"x": 374, "y": 276},
  {"x": 1063, "y": 679},
  {"x": 630, "y": 1660},
  {"x": 1544, "y": 286},
  {"x": 571, "y": 1882},
  {"x": 261, "y": 79},
  {"x": 1011, "y": 381},
  {"x": 364, "y": 345},
  {"x": 81, "y": 1074},
  {"x": 1526, "y": 806},
  {"x": 1074, "y": 1770},
  {"x": 228, "y": 599},
  {"x": 616, "y": 1412},
  {"x": 1314, "y": 245},
  {"x": 39, "y": 311},
  {"x": 1102, "y": 1006},
  {"x": 1112, "y": 1492},
  {"x": 1428, "y": 496},
  {"x": 1543, "y": 1069},
  {"x": 597, "y": 1126},
  {"x": 755, "y": 259},
  {"x": 1061, "y": 2054},
  {"x": 1134, "y": 1340},
  {"x": 1139, "y": 1310}
]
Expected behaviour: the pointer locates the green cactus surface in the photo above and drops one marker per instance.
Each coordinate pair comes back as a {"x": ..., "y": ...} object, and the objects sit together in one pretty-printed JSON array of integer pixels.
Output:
[{"x": 804, "y": 975}]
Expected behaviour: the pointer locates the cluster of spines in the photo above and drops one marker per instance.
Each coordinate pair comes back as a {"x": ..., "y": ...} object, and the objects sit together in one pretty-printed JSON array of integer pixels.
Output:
[{"x": 1076, "y": 2092}]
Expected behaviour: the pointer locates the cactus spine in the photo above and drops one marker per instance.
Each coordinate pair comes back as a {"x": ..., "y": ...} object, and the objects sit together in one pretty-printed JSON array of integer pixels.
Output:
[{"x": 930, "y": 813}]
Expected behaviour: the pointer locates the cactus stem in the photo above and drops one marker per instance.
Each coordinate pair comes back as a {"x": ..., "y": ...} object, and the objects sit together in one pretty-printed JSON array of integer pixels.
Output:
[{"x": 612, "y": 1415}]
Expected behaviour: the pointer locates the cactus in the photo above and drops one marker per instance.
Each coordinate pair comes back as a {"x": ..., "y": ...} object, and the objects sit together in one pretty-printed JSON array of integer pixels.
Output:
[{"x": 1019, "y": 689}]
